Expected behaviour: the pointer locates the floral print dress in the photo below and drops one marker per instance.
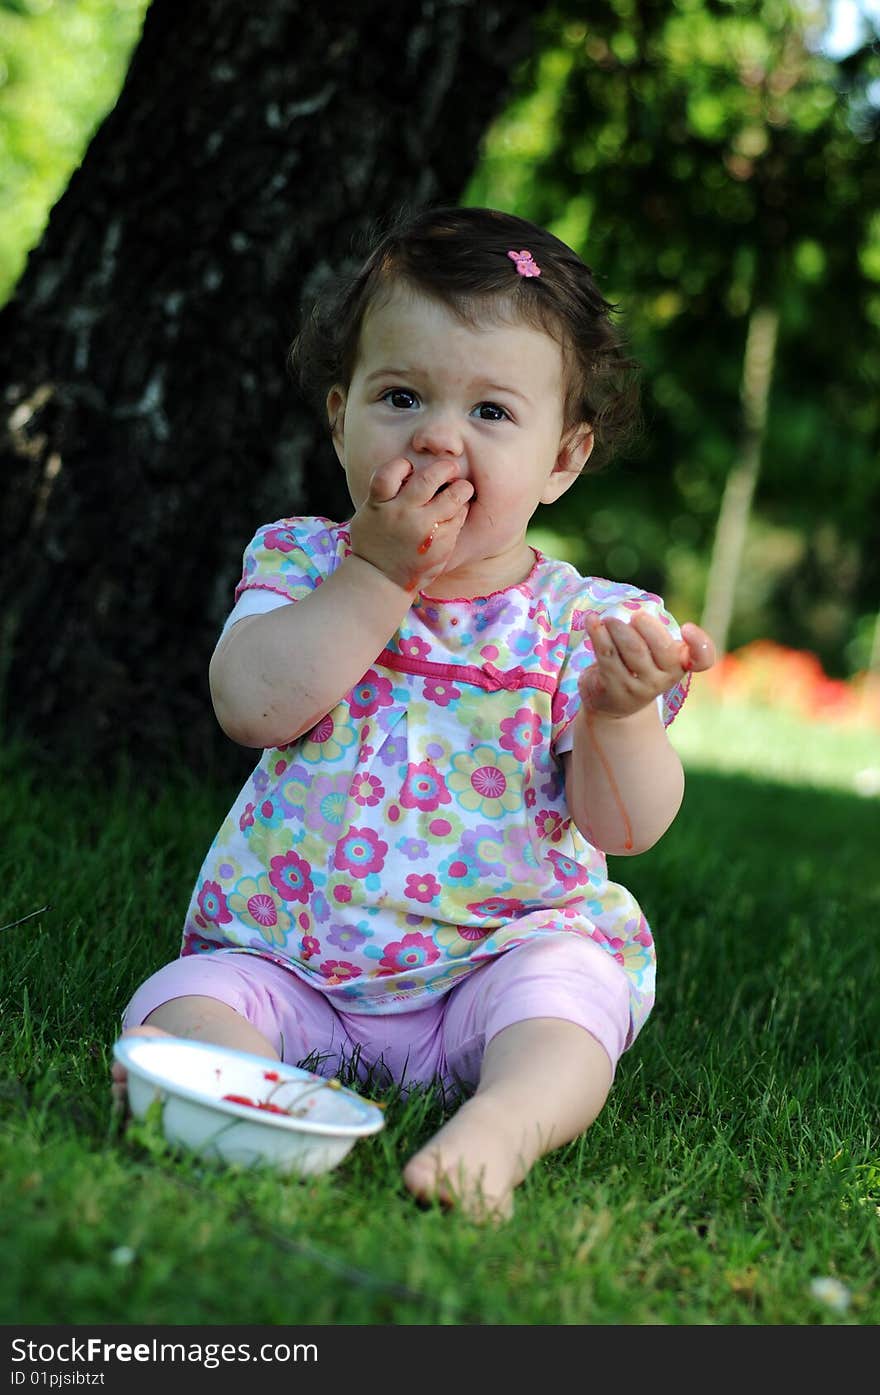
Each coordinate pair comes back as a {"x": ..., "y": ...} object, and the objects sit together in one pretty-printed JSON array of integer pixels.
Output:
[{"x": 420, "y": 828}]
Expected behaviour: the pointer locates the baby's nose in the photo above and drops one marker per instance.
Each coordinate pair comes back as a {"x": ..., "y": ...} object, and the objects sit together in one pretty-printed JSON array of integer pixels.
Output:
[{"x": 438, "y": 435}]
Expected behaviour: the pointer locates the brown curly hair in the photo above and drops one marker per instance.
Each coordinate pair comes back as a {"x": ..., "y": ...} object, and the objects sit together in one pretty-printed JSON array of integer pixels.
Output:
[{"x": 459, "y": 256}]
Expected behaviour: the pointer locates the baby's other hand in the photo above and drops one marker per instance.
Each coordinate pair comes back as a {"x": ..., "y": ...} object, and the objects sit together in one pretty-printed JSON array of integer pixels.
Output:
[
  {"x": 637, "y": 661},
  {"x": 700, "y": 647}
]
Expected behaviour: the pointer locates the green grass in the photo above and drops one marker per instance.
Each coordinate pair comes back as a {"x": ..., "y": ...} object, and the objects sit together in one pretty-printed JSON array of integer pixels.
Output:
[
  {"x": 737, "y": 1160},
  {"x": 769, "y": 744}
]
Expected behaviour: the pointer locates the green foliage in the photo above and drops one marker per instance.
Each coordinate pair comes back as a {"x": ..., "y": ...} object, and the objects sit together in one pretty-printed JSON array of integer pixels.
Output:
[
  {"x": 706, "y": 158},
  {"x": 62, "y": 63}
]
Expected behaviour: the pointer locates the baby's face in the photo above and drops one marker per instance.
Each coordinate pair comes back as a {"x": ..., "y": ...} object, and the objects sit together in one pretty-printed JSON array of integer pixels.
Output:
[{"x": 426, "y": 385}]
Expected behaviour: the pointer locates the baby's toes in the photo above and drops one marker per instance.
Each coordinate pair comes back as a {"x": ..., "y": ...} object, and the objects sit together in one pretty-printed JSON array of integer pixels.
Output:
[{"x": 424, "y": 1178}]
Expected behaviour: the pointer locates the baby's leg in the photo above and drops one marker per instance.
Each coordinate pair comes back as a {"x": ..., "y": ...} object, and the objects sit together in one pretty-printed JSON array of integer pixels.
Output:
[
  {"x": 196, "y": 1019},
  {"x": 543, "y": 1083},
  {"x": 554, "y": 1013},
  {"x": 236, "y": 1000}
]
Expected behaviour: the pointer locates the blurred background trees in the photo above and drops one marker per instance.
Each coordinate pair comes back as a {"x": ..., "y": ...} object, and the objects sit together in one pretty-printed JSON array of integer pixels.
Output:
[
  {"x": 715, "y": 161},
  {"x": 61, "y": 68},
  {"x": 721, "y": 171}
]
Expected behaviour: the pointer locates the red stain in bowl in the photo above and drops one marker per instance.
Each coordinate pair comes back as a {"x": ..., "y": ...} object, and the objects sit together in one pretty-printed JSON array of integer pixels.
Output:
[{"x": 265, "y": 1105}]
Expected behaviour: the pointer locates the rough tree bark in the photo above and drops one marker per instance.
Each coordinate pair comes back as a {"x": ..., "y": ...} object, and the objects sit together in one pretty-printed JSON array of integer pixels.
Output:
[{"x": 148, "y": 424}]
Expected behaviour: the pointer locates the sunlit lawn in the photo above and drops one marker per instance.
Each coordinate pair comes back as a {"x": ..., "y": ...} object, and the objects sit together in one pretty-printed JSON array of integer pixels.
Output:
[
  {"x": 770, "y": 743},
  {"x": 734, "y": 1177}
]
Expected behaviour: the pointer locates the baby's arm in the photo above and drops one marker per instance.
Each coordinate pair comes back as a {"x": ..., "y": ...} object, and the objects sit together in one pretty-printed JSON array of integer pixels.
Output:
[
  {"x": 624, "y": 781},
  {"x": 274, "y": 676}
]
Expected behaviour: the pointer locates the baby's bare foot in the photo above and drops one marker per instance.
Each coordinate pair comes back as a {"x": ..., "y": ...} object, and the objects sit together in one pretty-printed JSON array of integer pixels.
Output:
[
  {"x": 474, "y": 1162},
  {"x": 118, "y": 1073}
]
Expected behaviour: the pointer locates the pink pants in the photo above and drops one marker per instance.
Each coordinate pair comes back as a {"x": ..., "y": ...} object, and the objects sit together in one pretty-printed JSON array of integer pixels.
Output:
[{"x": 563, "y": 976}]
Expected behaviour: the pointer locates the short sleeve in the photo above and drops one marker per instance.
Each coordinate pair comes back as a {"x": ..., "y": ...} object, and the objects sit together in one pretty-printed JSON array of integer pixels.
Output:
[
  {"x": 253, "y": 602},
  {"x": 291, "y": 558},
  {"x": 607, "y": 600}
]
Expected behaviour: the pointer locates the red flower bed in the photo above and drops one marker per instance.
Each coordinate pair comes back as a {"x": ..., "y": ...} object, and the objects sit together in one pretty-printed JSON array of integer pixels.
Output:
[{"x": 793, "y": 679}]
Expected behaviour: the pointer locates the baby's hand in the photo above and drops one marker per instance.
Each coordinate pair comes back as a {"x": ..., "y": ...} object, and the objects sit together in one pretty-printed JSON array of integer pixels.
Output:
[
  {"x": 639, "y": 660},
  {"x": 410, "y": 521}
]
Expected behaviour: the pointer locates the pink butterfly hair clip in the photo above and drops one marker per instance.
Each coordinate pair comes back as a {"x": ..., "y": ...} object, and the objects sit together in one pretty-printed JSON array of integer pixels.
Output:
[{"x": 525, "y": 263}]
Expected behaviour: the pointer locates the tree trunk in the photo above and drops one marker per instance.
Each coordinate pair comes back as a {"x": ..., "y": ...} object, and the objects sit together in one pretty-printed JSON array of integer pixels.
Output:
[
  {"x": 739, "y": 490},
  {"x": 148, "y": 424}
]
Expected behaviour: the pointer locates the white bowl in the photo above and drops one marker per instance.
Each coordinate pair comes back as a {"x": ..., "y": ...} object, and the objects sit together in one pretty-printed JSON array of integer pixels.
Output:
[{"x": 318, "y": 1121}]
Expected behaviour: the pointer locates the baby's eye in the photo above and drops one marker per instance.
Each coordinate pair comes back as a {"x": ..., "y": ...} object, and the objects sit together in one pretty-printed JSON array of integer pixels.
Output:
[
  {"x": 490, "y": 411},
  {"x": 400, "y": 398}
]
